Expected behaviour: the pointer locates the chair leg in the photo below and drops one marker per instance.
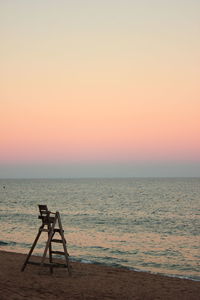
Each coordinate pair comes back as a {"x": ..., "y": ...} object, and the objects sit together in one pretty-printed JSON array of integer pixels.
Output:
[{"x": 31, "y": 250}]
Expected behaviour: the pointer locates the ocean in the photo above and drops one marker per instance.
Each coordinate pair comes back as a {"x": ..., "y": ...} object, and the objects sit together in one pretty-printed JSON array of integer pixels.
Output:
[{"x": 144, "y": 224}]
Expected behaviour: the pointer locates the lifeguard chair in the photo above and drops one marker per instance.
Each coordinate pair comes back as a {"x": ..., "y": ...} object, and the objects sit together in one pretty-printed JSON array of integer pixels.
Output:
[{"x": 51, "y": 224}]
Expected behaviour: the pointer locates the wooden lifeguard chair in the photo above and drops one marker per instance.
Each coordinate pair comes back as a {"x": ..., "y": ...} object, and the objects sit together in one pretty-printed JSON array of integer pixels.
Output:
[{"x": 51, "y": 224}]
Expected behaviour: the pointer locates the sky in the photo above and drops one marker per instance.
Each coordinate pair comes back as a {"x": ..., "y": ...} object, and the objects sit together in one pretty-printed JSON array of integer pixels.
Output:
[{"x": 99, "y": 88}]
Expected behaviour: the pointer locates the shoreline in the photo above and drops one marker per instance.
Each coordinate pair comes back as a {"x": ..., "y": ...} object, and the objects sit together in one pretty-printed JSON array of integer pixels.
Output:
[
  {"x": 82, "y": 261},
  {"x": 88, "y": 281},
  {"x": 136, "y": 270}
]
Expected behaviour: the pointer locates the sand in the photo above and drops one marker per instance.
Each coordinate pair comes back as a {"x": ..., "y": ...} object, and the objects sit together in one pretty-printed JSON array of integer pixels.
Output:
[{"x": 88, "y": 281}]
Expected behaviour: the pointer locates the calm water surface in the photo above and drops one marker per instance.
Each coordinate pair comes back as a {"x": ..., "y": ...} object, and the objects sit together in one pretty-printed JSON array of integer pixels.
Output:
[{"x": 146, "y": 224}]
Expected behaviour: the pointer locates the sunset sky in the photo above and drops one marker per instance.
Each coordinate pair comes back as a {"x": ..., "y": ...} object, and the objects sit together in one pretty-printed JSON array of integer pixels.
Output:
[{"x": 99, "y": 88}]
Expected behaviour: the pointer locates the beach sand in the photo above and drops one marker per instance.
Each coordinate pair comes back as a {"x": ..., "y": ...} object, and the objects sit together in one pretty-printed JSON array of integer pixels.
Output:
[{"x": 88, "y": 281}]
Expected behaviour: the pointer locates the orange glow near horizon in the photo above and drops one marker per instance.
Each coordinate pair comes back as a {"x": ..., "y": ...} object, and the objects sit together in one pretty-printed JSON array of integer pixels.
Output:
[{"x": 106, "y": 131}]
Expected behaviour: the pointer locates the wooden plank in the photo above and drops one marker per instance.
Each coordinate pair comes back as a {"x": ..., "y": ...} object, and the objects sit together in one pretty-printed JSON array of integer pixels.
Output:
[
  {"x": 58, "y": 252},
  {"x": 50, "y": 258},
  {"x": 32, "y": 248},
  {"x": 50, "y": 235},
  {"x": 64, "y": 244},
  {"x": 58, "y": 230},
  {"x": 56, "y": 241}
]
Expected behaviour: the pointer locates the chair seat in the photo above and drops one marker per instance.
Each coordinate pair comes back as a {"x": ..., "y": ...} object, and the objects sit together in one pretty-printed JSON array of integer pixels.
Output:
[{"x": 46, "y": 219}]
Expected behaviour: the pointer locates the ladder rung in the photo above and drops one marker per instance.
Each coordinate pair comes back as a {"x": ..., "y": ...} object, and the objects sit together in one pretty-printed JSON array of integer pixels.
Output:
[
  {"x": 56, "y": 241},
  {"x": 58, "y": 252},
  {"x": 58, "y": 230}
]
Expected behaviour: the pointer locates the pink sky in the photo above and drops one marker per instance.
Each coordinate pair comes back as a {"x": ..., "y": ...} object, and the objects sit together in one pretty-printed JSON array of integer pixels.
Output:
[{"x": 102, "y": 84}]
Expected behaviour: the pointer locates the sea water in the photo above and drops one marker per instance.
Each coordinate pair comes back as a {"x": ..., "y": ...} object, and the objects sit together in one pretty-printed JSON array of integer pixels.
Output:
[{"x": 146, "y": 224}]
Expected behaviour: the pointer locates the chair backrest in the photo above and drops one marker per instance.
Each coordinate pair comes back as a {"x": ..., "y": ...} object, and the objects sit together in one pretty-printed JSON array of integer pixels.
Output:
[
  {"x": 43, "y": 210},
  {"x": 45, "y": 215}
]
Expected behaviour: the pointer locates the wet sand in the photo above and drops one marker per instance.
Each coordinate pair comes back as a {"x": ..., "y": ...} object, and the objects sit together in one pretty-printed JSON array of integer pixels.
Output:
[{"x": 88, "y": 281}]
